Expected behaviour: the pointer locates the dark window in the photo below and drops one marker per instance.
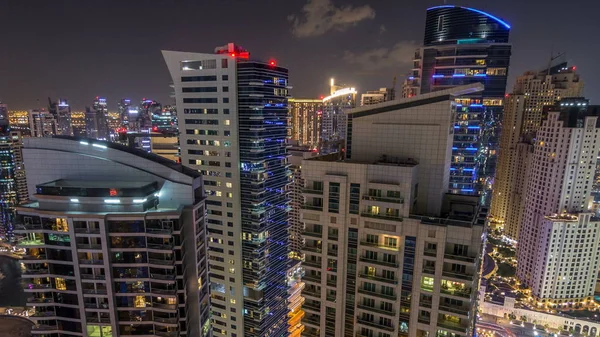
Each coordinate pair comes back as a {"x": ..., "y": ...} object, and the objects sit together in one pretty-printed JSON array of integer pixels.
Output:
[
  {"x": 198, "y": 78},
  {"x": 200, "y": 100}
]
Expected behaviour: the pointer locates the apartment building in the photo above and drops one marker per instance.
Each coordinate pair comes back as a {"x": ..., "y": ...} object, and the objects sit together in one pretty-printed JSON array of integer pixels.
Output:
[
  {"x": 387, "y": 251},
  {"x": 115, "y": 242}
]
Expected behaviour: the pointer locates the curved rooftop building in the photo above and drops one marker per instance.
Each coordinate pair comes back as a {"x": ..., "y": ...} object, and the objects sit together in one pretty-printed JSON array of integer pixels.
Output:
[
  {"x": 451, "y": 24},
  {"x": 462, "y": 46},
  {"x": 115, "y": 241}
]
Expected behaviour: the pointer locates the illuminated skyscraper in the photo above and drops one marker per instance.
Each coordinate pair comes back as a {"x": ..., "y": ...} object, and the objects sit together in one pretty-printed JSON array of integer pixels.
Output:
[
  {"x": 42, "y": 123},
  {"x": 123, "y": 109},
  {"x": 97, "y": 120},
  {"x": 334, "y": 119},
  {"x": 305, "y": 120},
  {"x": 62, "y": 113},
  {"x": 13, "y": 187},
  {"x": 523, "y": 110},
  {"x": 377, "y": 96},
  {"x": 19, "y": 121},
  {"x": 462, "y": 46},
  {"x": 233, "y": 127},
  {"x": 78, "y": 123}
]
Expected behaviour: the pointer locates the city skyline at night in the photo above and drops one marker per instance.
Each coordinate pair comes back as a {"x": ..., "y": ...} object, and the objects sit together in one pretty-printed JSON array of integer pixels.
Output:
[{"x": 124, "y": 60}]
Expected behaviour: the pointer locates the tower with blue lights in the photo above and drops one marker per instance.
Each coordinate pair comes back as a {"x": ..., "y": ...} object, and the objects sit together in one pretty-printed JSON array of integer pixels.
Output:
[
  {"x": 461, "y": 46},
  {"x": 232, "y": 118}
]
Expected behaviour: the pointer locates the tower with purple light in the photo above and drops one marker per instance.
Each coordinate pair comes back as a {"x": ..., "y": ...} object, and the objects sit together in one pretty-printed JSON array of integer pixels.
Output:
[{"x": 461, "y": 46}]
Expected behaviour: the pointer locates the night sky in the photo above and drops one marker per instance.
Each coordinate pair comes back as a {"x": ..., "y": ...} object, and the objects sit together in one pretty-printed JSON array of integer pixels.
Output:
[{"x": 79, "y": 49}]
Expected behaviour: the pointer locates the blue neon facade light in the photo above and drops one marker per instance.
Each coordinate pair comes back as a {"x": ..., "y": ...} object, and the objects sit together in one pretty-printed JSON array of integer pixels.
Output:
[
  {"x": 459, "y": 75},
  {"x": 474, "y": 10}
]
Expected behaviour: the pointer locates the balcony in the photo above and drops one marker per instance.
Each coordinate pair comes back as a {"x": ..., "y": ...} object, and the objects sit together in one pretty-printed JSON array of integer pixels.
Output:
[
  {"x": 378, "y": 278},
  {"x": 164, "y": 246},
  {"x": 311, "y": 191},
  {"x": 34, "y": 257},
  {"x": 457, "y": 275},
  {"x": 311, "y": 306},
  {"x": 430, "y": 252},
  {"x": 89, "y": 246},
  {"x": 164, "y": 306},
  {"x": 311, "y": 320},
  {"x": 87, "y": 230},
  {"x": 166, "y": 333},
  {"x": 159, "y": 231},
  {"x": 382, "y": 216},
  {"x": 171, "y": 292},
  {"x": 312, "y": 249},
  {"x": 452, "y": 326},
  {"x": 93, "y": 262},
  {"x": 166, "y": 320},
  {"x": 332, "y": 253},
  {"x": 378, "y": 245},
  {"x": 311, "y": 278},
  {"x": 374, "y": 325},
  {"x": 466, "y": 293},
  {"x": 381, "y": 311},
  {"x": 312, "y": 293},
  {"x": 28, "y": 271},
  {"x": 313, "y": 234},
  {"x": 312, "y": 207},
  {"x": 44, "y": 328},
  {"x": 455, "y": 310},
  {"x": 38, "y": 300},
  {"x": 383, "y": 199},
  {"x": 461, "y": 258},
  {"x": 381, "y": 263},
  {"x": 161, "y": 262},
  {"x": 371, "y": 293},
  {"x": 167, "y": 277},
  {"x": 95, "y": 291},
  {"x": 314, "y": 264},
  {"x": 429, "y": 270}
]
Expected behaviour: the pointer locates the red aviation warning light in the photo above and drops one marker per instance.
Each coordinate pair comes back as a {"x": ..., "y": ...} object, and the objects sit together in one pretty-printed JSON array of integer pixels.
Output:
[{"x": 272, "y": 62}]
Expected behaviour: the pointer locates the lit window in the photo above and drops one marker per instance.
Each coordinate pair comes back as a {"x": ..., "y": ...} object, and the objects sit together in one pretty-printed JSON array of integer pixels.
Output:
[
  {"x": 227, "y": 122},
  {"x": 60, "y": 283},
  {"x": 229, "y": 185},
  {"x": 139, "y": 302},
  {"x": 232, "y": 270},
  {"x": 232, "y": 301}
]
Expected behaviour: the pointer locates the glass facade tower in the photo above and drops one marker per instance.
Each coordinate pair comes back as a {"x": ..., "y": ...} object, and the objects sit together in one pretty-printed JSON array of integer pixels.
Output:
[
  {"x": 232, "y": 118},
  {"x": 464, "y": 46}
]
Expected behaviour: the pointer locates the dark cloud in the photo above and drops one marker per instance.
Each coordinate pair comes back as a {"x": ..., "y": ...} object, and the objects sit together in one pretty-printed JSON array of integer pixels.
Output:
[{"x": 320, "y": 16}]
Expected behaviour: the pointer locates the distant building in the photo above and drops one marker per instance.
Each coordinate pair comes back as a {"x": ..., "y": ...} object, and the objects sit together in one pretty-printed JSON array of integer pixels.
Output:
[
  {"x": 523, "y": 114},
  {"x": 113, "y": 122},
  {"x": 297, "y": 154},
  {"x": 166, "y": 147},
  {"x": 42, "y": 123},
  {"x": 123, "y": 109},
  {"x": 305, "y": 119},
  {"x": 62, "y": 113},
  {"x": 334, "y": 118},
  {"x": 559, "y": 238},
  {"x": 118, "y": 248},
  {"x": 78, "y": 123},
  {"x": 19, "y": 121},
  {"x": 377, "y": 96},
  {"x": 98, "y": 120}
]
